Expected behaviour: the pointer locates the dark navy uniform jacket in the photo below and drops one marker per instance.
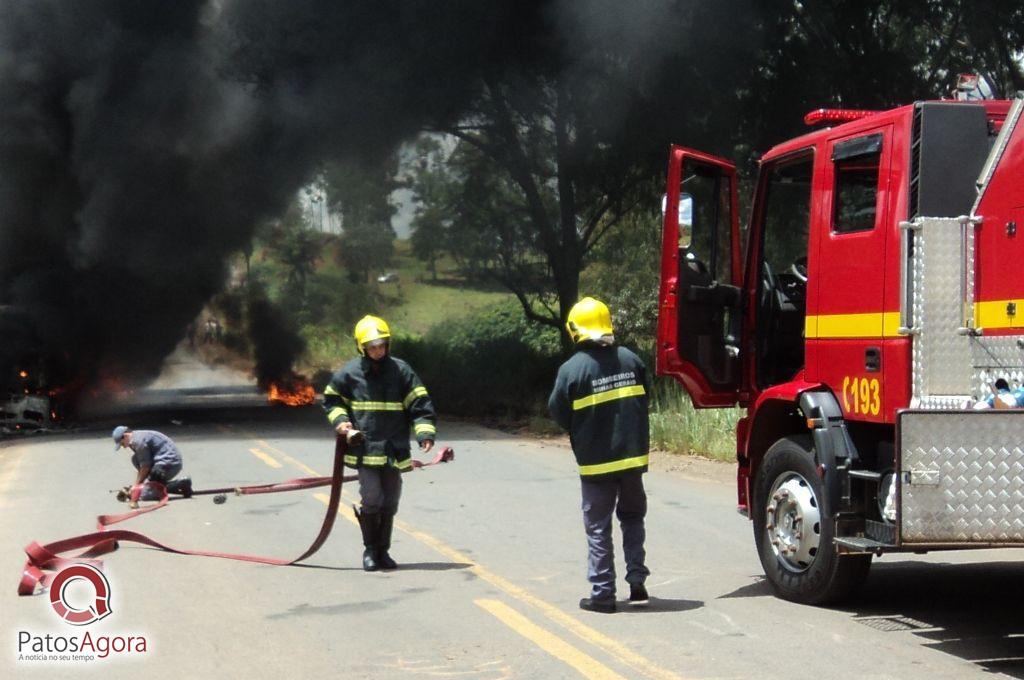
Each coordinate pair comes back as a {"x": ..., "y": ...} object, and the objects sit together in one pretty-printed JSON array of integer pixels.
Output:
[
  {"x": 384, "y": 400},
  {"x": 600, "y": 397}
]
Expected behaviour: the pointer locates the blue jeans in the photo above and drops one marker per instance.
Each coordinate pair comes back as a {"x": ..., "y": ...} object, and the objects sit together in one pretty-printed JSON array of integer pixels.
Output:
[{"x": 626, "y": 496}]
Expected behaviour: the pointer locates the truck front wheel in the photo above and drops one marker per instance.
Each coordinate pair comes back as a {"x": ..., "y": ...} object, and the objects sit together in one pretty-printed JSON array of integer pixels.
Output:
[{"x": 794, "y": 530}]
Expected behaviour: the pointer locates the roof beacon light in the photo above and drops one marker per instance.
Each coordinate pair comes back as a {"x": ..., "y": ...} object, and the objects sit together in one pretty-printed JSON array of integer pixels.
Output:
[{"x": 836, "y": 115}]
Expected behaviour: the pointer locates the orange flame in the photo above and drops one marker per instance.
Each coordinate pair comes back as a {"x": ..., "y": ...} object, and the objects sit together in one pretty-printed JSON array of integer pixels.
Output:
[{"x": 294, "y": 392}]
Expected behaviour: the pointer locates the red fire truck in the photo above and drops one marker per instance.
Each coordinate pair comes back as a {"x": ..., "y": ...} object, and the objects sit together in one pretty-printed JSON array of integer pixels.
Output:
[{"x": 862, "y": 319}]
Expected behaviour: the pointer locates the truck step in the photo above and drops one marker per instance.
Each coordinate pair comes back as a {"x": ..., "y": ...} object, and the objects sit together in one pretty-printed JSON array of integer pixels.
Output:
[
  {"x": 880, "y": 531},
  {"x": 860, "y": 544}
]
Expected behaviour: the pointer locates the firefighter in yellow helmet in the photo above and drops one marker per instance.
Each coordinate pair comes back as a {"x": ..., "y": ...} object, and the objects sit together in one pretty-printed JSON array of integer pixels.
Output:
[
  {"x": 380, "y": 396},
  {"x": 600, "y": 397}
]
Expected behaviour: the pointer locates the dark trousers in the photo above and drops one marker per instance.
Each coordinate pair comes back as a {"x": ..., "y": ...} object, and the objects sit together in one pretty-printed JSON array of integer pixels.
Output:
[
  {"x": 380, "y": 488},
  {"x": 625, "y": 496},
  {"x": 163, "y": 473}
]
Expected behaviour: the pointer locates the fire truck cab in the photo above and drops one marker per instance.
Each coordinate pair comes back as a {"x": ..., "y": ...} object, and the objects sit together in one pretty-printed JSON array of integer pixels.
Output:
[{"x": 863, "y": 319}]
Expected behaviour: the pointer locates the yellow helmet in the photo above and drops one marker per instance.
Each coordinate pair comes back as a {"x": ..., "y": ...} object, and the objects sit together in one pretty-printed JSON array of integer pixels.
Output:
[
  {"x": 370, "y": 328},
  {"x": 589, "y": 319}
]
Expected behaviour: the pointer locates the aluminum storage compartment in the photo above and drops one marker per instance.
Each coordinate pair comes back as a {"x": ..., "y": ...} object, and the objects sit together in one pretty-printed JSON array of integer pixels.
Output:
[{"x": 961, "y": 477}]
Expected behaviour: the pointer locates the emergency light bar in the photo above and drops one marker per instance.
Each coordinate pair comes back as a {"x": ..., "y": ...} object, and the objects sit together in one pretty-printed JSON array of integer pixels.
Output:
[{"x": 836, "y": 115}]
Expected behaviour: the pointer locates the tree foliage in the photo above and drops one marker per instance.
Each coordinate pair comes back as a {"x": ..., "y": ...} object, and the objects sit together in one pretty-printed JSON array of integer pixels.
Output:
[
  {"x": 553, "y": 154},
  {"x": 360, "y": 190},
  {"x": 871, "y": 54}
]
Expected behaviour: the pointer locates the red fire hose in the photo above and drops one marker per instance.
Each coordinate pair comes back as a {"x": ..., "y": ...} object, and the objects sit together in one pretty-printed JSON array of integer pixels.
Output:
[{"x": 45, "y": 560}]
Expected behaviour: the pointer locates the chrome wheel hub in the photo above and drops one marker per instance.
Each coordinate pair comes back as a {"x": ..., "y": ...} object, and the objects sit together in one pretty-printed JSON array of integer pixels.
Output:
[{"x": 793, "y": 521}]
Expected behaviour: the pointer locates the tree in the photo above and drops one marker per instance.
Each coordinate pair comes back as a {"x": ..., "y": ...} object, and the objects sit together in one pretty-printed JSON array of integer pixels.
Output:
[
  {"x": 360, "y": 190},
  {"x": 555, "y": 150},
  {"x": 528, "y": 192},
  {"x": 296, "y": 246},
  {"x": 430, "y": 222},
  {"x": 868, "y": 54}
]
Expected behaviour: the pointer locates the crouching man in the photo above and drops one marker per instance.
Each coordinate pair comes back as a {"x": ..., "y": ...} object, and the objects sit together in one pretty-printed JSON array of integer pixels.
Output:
[{"x": 156, "y": 459}]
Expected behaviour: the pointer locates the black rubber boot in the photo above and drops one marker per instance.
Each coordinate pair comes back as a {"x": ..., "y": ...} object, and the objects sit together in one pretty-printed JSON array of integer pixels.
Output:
[
  {"x": 369, "y": 523},
  {"x": 181, "y": 486},
  {"x": 387, "y": 523}
]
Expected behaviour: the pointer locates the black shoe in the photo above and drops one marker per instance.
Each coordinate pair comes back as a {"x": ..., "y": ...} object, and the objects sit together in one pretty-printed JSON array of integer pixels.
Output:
[
  {"x": 370, "y": 560},
  {"x": 638, "y": 596},
  {"x": 601, "y": 606}
]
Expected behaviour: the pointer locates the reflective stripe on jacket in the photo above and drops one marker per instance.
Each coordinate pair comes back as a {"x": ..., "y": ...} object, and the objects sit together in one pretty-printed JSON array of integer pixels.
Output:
[
  {"x": 600, "y": 397},
  {"x": 384, "y": 400}
]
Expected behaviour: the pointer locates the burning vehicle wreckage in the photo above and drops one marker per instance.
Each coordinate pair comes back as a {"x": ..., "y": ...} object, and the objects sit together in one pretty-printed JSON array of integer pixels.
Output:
[{"x": 35, "y": 391}]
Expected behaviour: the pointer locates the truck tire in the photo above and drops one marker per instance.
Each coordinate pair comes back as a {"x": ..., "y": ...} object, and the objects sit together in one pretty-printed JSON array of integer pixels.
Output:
[{"x": 794, "y": 530}]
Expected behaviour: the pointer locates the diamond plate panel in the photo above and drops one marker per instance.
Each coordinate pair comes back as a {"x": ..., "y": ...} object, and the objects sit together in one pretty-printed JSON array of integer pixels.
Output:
[
  {"x": 996, "y": 357},
  {"x": 941, "y": 355},
  {"x": 961, "y": 477},
  {"x": 951, "y": 370}
]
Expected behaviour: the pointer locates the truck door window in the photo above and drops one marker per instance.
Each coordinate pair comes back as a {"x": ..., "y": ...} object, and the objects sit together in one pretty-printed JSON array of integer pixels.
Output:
[
  {"x": 856, "y": 193},
  {"x": 704, "y": 243},
  {"x": 856, "y": 190},
  {"x": 707, "y": 323},
  {"x": 782, "y": 297}
]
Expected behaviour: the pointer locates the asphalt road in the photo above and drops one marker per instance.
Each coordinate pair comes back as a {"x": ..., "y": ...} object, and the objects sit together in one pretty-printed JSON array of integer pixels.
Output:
[{"x": 492, "y": 558}]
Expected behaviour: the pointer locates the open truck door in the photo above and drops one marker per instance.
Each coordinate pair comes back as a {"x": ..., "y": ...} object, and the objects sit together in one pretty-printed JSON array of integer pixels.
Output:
[{"x": 700, "y": 298}]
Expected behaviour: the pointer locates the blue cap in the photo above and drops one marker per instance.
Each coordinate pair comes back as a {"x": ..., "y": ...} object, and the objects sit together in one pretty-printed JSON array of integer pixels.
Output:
[{"x": 118, "y": 433}]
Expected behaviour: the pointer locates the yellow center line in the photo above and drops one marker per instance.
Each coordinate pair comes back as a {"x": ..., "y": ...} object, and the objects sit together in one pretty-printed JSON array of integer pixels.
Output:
[
  {"x": 573, "y": 625},
  {"x": 297, "y": 463},
  {"x": 588, "y": 666},
  {"x": 611, "y": 646},
  {"x": 266, "y": 458},
  {"x": 343, "y": 510}
]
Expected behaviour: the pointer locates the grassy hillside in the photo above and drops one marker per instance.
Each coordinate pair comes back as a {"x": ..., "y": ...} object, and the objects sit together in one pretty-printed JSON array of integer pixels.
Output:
[
  {"x": 412, "y": 305},
  {"x": 416, "y": 303}
]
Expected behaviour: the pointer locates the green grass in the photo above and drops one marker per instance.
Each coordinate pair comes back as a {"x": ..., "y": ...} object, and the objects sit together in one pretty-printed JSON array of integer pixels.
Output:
[
  {"x": 411, "y": 306},
  {"x": 678, "y": 427},
  {"x": 416, "y": 304}
]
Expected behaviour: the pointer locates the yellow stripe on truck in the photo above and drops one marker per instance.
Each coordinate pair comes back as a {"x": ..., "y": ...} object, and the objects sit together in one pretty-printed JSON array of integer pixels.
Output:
[
  {"x": 996, "y": 314},
  {"x": 869, "y": 325}
]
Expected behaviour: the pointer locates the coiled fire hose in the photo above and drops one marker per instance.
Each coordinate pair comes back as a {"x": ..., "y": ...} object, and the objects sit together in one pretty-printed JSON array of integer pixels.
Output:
[{"x": 45, "y": 560}]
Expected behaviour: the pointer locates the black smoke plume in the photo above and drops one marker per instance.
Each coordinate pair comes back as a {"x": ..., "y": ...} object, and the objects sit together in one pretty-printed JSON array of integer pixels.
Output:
[{"x": 140, "y": 141}]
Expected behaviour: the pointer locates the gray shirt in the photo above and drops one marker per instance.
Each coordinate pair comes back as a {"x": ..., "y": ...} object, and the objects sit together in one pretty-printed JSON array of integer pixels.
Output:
[{"x": 152, "y": 448}]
